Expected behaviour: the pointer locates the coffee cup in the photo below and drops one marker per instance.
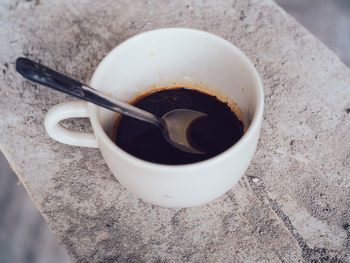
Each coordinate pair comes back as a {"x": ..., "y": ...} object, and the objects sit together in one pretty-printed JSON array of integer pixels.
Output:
[{"x": 170, "y": 57}]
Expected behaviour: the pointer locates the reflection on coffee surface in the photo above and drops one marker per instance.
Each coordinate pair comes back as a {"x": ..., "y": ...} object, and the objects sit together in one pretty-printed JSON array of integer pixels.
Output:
[{"x": 212, "y": 134}]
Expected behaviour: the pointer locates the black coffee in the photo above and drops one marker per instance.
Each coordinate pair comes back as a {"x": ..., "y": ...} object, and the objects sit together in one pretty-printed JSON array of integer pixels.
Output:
[{"x": 213, "y": 134}]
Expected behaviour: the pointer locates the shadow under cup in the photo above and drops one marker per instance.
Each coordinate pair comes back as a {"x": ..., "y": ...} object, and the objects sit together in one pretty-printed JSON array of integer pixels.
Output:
[{"x": 173, "y": 58}]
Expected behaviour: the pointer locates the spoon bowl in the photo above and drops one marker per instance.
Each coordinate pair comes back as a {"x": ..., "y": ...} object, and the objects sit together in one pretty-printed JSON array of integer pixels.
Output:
[{"x": 177, "y": 124}]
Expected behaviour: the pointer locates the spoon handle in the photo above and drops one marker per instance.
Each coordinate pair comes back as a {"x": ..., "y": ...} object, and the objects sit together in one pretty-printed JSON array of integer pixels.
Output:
[{"x": 43, "y": 75}]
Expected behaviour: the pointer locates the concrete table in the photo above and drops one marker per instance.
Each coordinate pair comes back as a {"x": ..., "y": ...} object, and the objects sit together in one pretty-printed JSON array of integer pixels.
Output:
[{"x": 292, "y": 205}]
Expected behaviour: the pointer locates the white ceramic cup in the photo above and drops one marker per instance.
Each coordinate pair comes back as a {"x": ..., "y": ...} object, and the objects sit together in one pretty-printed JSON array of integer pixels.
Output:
[{"x": 170, "y": 57}]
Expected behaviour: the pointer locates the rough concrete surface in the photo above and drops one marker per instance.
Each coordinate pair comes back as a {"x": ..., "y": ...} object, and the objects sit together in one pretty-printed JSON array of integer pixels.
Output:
[{"x": 292, "y": 205}]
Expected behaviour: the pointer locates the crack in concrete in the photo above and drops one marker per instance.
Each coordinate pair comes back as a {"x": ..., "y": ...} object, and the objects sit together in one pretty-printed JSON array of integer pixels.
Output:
[{"x": 309, "y": 254}]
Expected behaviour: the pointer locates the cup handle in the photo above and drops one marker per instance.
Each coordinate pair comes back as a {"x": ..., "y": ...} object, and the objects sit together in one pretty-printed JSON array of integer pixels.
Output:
[{"x": 72, "y": 109}]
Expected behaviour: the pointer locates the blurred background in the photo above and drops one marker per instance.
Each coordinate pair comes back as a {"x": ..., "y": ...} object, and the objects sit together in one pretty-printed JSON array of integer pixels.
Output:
[{"x": 24, "y": 235}]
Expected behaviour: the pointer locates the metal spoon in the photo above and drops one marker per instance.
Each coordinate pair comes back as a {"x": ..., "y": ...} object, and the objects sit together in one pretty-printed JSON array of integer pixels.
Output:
[{"x": 174, "y": 124}]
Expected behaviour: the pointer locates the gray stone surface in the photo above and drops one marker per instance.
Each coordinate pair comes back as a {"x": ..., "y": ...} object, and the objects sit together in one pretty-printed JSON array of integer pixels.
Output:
[{"x": 292, "y": 204}]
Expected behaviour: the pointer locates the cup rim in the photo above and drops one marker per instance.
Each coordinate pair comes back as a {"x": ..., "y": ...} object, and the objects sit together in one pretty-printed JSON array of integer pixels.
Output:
[{"x": 247, "y": 136}]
